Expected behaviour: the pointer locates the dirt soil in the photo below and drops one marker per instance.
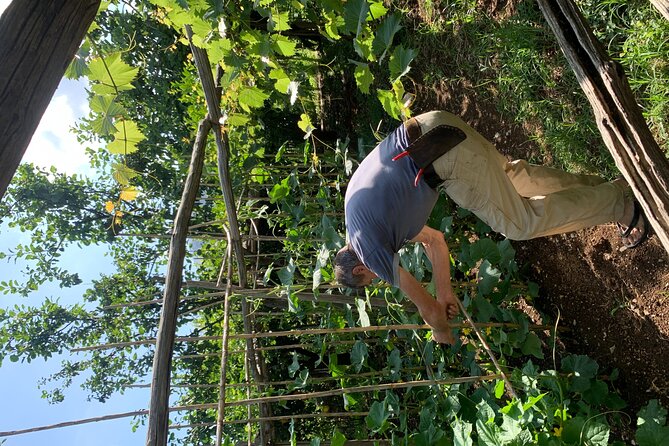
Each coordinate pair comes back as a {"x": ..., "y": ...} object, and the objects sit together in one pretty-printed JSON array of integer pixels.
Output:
[{"x": 615, "y": 302}]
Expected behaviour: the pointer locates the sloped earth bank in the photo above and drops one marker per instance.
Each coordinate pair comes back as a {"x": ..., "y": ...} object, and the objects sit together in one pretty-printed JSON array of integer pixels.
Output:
[{"x": 615, "y": 303}]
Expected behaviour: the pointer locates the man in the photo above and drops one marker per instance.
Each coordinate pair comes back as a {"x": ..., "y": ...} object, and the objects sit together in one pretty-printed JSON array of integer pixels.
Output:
[{"x": 392, "y": 193}]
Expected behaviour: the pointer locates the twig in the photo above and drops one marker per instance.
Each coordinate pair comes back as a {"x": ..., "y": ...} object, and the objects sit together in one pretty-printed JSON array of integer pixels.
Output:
[{"x": 507, "y": 383}]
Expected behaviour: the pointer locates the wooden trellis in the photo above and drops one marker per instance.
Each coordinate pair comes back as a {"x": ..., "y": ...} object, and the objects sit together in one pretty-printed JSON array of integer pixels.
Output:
[{"x": 228, "y": 294}]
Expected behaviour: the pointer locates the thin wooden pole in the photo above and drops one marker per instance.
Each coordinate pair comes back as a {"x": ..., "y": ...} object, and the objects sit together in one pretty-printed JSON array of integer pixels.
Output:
[
  {"x": 302, "y": 416},
  {"x": 212, "y": 98},
  {"x": 224, "y": 350},
  {"x": 162, "y": 359},
  {"x": 507, "y": 383},
  {"x": 345, "y": 390},
  {"x": 249, "y": 384},
  {"x": 314, "y": 331}
]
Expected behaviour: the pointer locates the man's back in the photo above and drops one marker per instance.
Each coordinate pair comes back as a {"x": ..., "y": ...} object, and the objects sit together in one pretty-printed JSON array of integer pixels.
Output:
[{"x": 383, "y": 207}]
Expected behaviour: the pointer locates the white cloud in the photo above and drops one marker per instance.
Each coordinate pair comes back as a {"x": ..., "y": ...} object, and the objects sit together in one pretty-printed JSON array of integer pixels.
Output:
[
  {"x": 3, "y": 5},
  {"x": 53, "y": 143}
]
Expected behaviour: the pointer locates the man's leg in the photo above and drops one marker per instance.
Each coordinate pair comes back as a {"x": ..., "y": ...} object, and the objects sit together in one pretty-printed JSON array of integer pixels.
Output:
[
  {"x": 531, "y": 180},
  {"x": 476, "y": 179}
]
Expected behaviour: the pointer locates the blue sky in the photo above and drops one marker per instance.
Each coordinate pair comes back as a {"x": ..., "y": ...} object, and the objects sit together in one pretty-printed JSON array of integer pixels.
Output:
[{"x": 21, "y": 405}]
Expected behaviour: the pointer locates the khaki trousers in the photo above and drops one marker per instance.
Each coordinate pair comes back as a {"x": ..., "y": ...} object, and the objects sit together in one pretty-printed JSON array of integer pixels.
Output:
[{"x": 518, "y": 199}]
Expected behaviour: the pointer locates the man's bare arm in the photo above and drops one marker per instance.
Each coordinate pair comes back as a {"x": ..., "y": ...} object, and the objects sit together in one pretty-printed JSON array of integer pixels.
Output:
[
  {"x": 440, "y": 257},
  {"x": 433, "y": 312}
]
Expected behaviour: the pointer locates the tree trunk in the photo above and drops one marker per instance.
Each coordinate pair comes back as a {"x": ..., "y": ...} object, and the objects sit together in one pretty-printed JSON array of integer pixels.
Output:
[
  {"x": 38, "y": 40},
  {"x": 623, "y": 128}
]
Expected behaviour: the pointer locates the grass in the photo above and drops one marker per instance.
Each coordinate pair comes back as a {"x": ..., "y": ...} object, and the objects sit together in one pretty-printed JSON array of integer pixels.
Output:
[{"x": 512, "y": 59}]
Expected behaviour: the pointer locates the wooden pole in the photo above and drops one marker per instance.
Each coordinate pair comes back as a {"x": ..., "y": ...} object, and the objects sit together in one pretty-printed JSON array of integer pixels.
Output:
[
  {"x": 162, "y": 358},
  {"x": 224, "y": 351},
  {"x": 39, "y": 39},
  {"x": 313, "y": 331},
  {"x": 302, "y": 416},
  {"x": 222, "y": 144}
]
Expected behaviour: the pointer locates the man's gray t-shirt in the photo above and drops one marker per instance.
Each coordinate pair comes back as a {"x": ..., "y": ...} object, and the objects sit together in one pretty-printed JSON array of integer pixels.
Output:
[{"x": 383, "y": 208}]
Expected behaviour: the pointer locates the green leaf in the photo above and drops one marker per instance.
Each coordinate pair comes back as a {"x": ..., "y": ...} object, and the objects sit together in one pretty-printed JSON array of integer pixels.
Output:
[
  {"x": 510, "y": 429},
  {"x": 362, "y": 44},
  {"x": 111, "y": 74},
  {"x": 385, "y": 34},
  {"x": 395, "y": 364},
  {"x": 360, "y": 305},
  {"x": 355, "y": 15},
  {"x": 252, "y": 97},
  {"x": 305, "y": 125},
  {"x": 283, "y": 45},
  {"x": 338, "y": 439},
  {"x": 532, "y": 346},
  {"x": 390, "y": 103},
  {"x": 363, "y": 77},
  {"x": 279, "y": 191},
  {"x": 237, "y": 119},
  {"x": 281, "y": 78},
  {"x": 377, "y": 418},
  {"x": 294, "y": 366},
  {"x": 123, "y": 174},
  {"x": 651, "y": 425},
  {"x": 489, "y": 434},
  {"x": 287, "y": 273},
  {"x": 359, "y": 355},
  {"x": 399, "y": 62},
  {"x": 333, "y": 22},
  {"x": 278, "y": 21},
  {"x": 499, "y": 389},
  {"x": 126, "y": 138},
  {"x": 583, "y": 369},
  {"x": 462, "y": 433},
  {"x": 78, "y": 66},
  {"x": 572, "y": 430},
  {"x": 487, "y": 277},
  {"x": 533, "y": 401},
  {"x": 485, "y": 249},
  {"x": 107, "y": 109},
  {"x": 596, "y": 433},
  {"x": 376, "y": 11},
  {"x": 597, "y": 393}
]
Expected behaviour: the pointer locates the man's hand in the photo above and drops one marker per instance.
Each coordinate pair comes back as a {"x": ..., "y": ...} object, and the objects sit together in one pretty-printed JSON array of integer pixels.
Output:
[{"x": 439, "y": 319}]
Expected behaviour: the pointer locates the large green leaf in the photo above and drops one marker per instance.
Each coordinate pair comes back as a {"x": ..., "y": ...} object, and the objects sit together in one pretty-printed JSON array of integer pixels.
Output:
[
  {"x": 391, "y": 100},
  {"x": 360, "y": 305},
  {"x": 363, "y": 77},
  {"x": 106, "y": 109},
  {"x": 399, "y": 62},
  {"x": 126, "y": 138},
  {"x": 283, "y": 45},
  {"x": 355, "y": 15},
  {"x": 252, "y": 97},
  {"x": 112, "y": 73},
  {"x": 488, "y": 276},
  {"x": 122, "y": 173},
  {"x": 462, "y": 433},
  {"x": 281, "y": 78},
  {"x": 583, "y": 370},
  {"x": 278, "y": 21},
  {"x": 359, "y": 355},
  {"x": 651, "y": 425},
  {"x": 383, "y": 39},
  {"x": 377, "y": 418}
]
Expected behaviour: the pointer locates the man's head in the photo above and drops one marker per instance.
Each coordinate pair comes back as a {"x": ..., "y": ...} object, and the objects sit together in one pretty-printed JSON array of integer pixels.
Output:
[{"x": 349, "y": 270}]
